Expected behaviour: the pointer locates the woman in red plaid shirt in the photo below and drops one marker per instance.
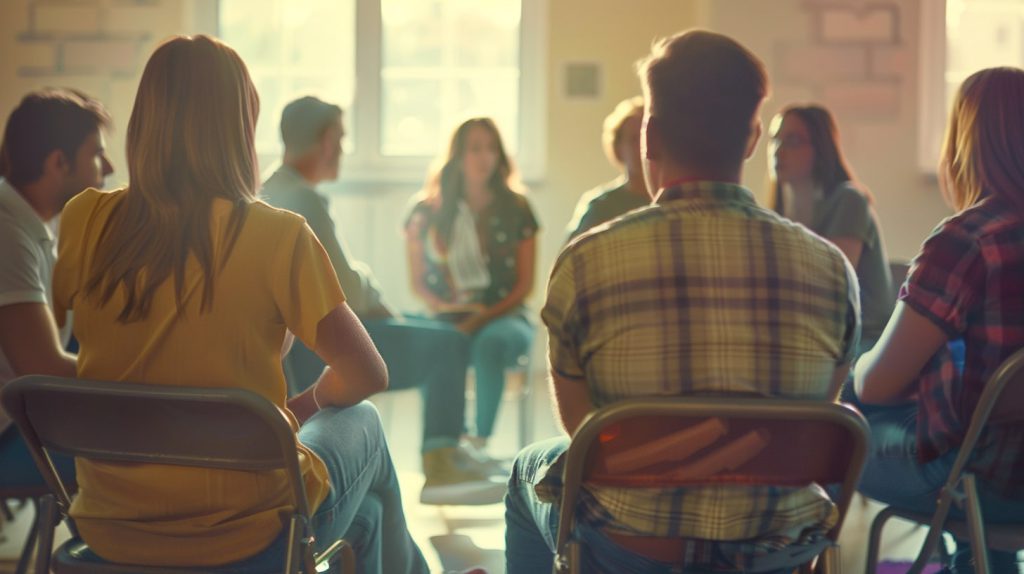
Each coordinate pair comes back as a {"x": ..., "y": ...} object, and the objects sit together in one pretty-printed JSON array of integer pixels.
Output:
[{"x": 965, "y": 284}]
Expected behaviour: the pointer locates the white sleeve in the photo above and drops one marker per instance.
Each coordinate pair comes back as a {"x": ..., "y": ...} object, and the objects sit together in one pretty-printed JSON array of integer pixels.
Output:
[{"x": 21, "y": 278}]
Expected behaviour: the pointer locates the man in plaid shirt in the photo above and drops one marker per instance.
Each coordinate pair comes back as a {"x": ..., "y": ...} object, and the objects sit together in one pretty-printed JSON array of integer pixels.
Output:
[{"x": 704, "y": 293}]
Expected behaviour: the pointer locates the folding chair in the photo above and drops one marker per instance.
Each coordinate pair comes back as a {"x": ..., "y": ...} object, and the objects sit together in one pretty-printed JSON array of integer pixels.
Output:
[
  {"x": 696, "y": 441},
  {"x": 999, "y": 404},
  {"x": 156, "y": 424}
]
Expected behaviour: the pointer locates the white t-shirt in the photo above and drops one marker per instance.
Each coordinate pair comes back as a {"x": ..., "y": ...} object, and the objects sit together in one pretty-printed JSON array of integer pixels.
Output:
[{"x": 28, "y": 251}]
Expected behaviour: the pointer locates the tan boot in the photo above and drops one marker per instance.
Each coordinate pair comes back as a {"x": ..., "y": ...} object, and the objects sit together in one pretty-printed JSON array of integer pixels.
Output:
[{"x": 454, "y": 478}]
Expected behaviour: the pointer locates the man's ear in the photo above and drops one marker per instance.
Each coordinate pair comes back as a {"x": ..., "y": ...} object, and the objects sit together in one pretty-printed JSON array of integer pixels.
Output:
[
  {"x": 57, "y": 162},
  {"x": 755, "y": 136}
]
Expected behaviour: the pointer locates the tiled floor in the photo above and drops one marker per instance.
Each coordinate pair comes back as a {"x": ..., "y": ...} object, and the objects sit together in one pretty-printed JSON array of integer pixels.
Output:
[{"x": 455, "y": 538}]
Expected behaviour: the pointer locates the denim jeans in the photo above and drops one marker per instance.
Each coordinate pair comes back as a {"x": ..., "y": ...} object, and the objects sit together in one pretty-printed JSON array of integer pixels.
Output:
[
  {"x": 496, "y": 347},
  {"x": 19, "y": 470},
  {"x": 419, "y": 352},
  {"x": 364, "y": 505},
  {"x": 531, "y": 526},
  {"x": 894, "y": 476}
]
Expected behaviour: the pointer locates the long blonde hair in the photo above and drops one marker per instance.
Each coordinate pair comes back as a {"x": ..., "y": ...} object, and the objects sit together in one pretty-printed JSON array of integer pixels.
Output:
[
  {"x": 984, "y": 138},
  {"x": 190, "y": 139}
]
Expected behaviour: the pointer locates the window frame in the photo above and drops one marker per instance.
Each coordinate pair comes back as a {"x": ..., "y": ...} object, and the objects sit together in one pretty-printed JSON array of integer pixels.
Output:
[
  {"x": 366, "y": 164},
  {"x": 932, "y": 112}
]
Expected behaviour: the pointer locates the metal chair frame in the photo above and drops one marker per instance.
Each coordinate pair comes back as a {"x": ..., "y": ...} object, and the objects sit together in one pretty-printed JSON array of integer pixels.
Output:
[
  {"x": 961, "y": 489},
  {"x": 844, "y": 419},
  {"x": 156, "y": 424}
]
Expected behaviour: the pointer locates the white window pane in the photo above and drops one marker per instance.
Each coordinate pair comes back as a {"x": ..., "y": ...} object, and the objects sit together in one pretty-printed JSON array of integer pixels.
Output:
[
  {"x": 464, "y": 53},
  {"x": 295, "y": 48},
  {"x": 983, "y": 34},
  {"x": 496, "y": 97},
  {"x": 411, "y": 117}
]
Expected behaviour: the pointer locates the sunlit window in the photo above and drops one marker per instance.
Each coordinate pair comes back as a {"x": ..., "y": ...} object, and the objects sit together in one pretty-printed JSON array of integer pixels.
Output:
[
  {"x": 443, "y": 61},
  {"x": 293, "y": 49},
  {"x": 960, "y": 37},
  {"x": 406, "y": 72}
]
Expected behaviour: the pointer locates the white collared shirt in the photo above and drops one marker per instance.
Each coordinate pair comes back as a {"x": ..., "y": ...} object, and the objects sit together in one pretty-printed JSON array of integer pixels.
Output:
[{"x": 28, "y": 251}]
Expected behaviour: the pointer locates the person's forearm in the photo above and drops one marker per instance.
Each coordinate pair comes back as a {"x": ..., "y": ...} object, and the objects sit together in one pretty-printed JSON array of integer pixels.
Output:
[{"x": 303, "y": 405}]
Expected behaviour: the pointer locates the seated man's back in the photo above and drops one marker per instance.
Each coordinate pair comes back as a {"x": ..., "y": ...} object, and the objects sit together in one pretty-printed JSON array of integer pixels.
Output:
[{"x": 703, "y": 293}]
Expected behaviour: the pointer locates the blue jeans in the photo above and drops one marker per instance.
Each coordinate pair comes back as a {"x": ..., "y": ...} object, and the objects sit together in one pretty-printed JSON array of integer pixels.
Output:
[
  {"x": 496, "y": 347},
  {"x": 894, "y": 476},
  {"x": 19, "y": 470},
  {"x": 419, "y": 352},
  {"x": 364, "y": 505},
  {"x": 531, "y": 526}
]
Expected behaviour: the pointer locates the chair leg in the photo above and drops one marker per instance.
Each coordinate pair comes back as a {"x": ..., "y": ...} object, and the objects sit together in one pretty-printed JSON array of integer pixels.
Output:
[
  {"x": 828, "y": 561},
  {"x": 47, "y": 520},
  {"x": 975, "y": 525},
  {"x": 30, "y": 542},
  {"x": 875, "y": 538},
  {"x": 935, "y": 532}
]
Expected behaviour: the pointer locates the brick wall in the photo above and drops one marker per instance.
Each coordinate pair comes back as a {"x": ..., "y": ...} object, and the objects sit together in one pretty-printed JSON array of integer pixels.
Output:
[
  {"x": 860, "y": 59},
  {"x": 97, "y": 46},
  {"x": 854, "y": 58}
]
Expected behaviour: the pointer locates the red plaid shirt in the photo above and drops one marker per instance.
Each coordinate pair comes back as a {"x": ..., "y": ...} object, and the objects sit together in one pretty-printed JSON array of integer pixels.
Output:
[{"x": 969, "y": 281}]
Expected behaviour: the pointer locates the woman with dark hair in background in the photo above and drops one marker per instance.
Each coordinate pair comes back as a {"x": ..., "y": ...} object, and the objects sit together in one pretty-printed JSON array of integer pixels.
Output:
[
  {"x": 471, "y": 240},
  {"x": 811, "y": 183},
  {"x": 964, "y": 284},
  {"x": 184, "y": 278}
]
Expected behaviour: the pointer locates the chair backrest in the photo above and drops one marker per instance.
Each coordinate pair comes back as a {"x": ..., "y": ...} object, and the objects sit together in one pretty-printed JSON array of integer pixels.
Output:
[
  {"x": 999, "y": 404},
  {"x": 158, "y": 424},
  {"x": 689, "y": 441}
]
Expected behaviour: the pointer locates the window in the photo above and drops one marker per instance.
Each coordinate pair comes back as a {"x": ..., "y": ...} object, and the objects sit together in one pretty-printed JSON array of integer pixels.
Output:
[
  {"x": 406, "y": 72},
  {"x": 958, "y": 38}
]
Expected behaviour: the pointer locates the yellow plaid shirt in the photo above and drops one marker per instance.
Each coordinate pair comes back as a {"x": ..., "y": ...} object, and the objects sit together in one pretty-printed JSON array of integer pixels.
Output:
[{"x": 703, "y": 292}]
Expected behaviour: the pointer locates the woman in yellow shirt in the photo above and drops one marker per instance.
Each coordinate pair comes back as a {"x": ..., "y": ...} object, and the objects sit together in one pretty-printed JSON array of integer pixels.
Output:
[{"x": 184, "y": 278}]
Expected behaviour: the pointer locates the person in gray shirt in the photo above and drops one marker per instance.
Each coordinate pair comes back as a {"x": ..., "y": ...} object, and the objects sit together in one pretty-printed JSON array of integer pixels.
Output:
[
  {"x": 419, "y": 352},
  {"x": 621, "y": 139},
  {"x": 812, "y": 184}
]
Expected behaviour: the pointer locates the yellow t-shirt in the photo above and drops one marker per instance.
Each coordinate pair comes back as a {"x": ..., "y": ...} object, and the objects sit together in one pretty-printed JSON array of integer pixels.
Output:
[{"x": 277, "y": 277}]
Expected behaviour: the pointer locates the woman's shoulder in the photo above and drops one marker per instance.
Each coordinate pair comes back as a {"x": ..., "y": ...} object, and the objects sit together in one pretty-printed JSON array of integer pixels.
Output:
[
  {"x": 848, "y": 194},
  {"x": 268, "y": 217},
  {"x": 88, "y": 205},
  {"x": 517, "y": 202}
]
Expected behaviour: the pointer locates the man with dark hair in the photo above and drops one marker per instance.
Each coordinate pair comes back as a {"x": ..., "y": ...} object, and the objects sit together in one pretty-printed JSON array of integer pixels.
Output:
[
  {"x": 419, "y": 352},
  {"x": 702, "y": 293},
  {"x": 52, "y": 149}
]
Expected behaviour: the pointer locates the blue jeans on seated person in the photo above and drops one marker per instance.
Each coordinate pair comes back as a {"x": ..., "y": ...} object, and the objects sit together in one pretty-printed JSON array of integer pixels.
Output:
[
  {"x": 531, "y": 526},
  {"x": 19, "y": 470},
  {"x": 894, "y": 476},
  {"x": 496, "y": 347},
  {"x": 364, "y": 505}
]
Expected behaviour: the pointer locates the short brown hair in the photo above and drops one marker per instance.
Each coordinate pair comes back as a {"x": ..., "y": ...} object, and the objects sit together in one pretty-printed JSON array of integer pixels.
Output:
[
  {"x": 702, "y": 90},
  {"x": 984, "y": 138},
  {"x": 47, "y": 120},
  {"x": 611, "y": 134}
]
